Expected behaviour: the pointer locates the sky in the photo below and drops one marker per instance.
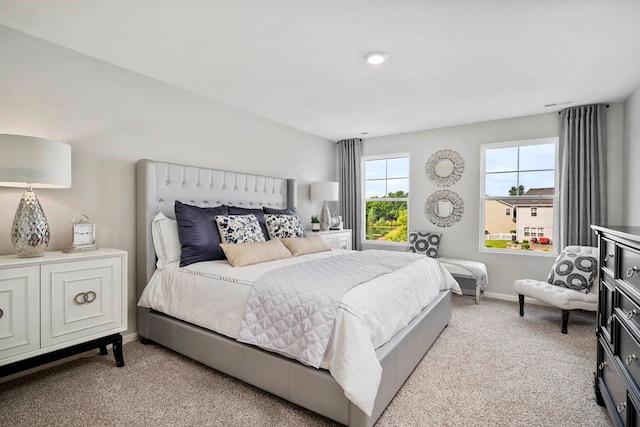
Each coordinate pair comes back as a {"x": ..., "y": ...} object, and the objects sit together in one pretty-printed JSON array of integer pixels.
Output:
[{"x": 532, "y": 166}]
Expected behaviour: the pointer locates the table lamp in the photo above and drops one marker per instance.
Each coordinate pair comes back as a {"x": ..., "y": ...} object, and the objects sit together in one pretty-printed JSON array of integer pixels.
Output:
[
  {"x": 31, "y": 162},
  {"x": 325, "y": 191}
]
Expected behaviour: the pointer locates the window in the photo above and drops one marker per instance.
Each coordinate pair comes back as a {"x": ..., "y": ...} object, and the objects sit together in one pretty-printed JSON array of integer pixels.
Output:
[
  {"x": 507, "y": 211},
  {"x": 386, "y": 189},
  {"x": 522, "y": 175}
]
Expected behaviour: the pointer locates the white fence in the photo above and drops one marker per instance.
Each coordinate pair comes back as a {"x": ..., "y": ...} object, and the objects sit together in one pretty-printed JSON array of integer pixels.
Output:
[{"x": 501, "y": 236}]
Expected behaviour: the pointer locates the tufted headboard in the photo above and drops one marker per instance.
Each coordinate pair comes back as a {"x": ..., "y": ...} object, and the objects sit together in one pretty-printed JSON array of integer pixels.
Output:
[{"x": 159, "y": 184}]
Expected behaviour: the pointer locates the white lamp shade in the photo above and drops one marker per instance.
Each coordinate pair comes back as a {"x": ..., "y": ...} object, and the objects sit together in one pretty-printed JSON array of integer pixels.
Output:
[
  {"x": 327, "y": 191},
  {"x": 29, "y": 161}
]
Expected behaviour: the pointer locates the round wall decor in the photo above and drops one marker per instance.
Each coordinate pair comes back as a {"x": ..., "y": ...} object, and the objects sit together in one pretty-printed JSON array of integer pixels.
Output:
[
  {"x": 444, "y": 208},
  {"x": 444, "y": 168}
]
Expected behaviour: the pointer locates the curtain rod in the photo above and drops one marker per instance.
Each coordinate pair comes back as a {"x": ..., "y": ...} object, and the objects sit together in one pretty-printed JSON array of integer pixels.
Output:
[{"x": 559, "y": 112}]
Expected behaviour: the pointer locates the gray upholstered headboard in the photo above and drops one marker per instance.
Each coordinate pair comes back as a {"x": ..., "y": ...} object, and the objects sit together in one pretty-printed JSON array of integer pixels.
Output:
[{"x": 159, "y": 185}]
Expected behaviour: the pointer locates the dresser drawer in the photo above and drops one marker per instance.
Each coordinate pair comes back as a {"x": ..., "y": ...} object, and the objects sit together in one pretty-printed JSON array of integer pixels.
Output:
[
  {"x": 630, "y": 266},
  {"x": 615, "y": 387},
  {"x": 630, "y": 310},
  {"x": 606, "y": 302},
  {"x": 608, "y": 257},
  {"x": 629, "y": 352},
  {"x": 80, "y": 299}
]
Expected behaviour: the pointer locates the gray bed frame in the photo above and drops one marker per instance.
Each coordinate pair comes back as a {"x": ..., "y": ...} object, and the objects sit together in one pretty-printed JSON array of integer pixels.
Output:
[{"x": 158, "y": 185}]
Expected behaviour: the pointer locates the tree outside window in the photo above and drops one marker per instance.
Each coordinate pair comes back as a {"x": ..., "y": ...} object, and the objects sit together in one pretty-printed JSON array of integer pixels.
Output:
[{"x": 386, "y": 198}]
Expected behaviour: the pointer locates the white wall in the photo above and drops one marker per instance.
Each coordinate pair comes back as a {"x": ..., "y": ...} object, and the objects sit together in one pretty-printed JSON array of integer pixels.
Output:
[
  {"x": 112, "y": 117},
  {"x": 462, "y": 239},
  {"x": 631, "y": 158}
]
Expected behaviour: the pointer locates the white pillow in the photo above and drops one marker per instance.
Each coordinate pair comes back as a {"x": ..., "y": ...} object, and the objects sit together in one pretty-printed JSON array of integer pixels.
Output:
[{"x": 166, "y": 241}]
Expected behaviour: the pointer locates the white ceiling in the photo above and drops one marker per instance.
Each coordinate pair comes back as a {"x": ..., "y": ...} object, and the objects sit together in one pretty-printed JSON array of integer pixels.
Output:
[{"x": 300, "y": 62}]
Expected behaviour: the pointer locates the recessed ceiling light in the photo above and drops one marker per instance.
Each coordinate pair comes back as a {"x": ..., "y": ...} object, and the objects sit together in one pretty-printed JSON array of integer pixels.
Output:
[{"x": 375, "y": 58}]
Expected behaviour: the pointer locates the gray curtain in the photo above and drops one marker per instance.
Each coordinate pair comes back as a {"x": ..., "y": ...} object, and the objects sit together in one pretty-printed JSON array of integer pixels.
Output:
[
  {"x": 349, "y": 154},
  {"x": 583, "y": 174}
]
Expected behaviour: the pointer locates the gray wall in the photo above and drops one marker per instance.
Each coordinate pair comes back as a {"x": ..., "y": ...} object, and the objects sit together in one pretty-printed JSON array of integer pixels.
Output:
[
  {"x": 112, "y": 117},
  {"x": 631, "y": 158},
  {"x": 462, "y": 239}
]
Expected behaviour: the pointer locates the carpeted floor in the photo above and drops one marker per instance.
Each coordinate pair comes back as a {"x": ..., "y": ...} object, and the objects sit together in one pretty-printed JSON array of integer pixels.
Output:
[{"x": 488, "y": 368}]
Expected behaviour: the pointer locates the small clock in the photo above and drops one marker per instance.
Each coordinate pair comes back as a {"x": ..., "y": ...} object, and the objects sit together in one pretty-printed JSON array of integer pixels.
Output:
[
  {"x": 336, "y": 223},
  {"x": 83, "y": 235}
]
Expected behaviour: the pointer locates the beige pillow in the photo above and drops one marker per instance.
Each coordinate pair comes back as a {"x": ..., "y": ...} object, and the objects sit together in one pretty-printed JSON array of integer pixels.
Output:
[
  {"x": 241, "y": 254},
  {"x": 305, "y": 245}
]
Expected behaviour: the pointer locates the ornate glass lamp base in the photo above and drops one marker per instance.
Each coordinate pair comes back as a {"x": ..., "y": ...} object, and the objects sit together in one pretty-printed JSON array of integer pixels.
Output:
[
  {"x": 30, "y": 231},
  {"x": 325, "y": 217}
]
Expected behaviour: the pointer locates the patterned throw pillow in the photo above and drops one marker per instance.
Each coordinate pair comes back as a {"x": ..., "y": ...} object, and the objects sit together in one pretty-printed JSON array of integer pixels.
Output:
[
  {"x": 574, "y": 271},
  {"x": 283, "y": 226},
  {"x": 239, "y": 229},
  {"x": 424, "y": 243}
]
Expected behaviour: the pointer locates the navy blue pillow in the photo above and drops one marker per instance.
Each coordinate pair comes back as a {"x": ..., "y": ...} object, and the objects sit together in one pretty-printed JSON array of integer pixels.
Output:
[
  {"x": 235, "y": 210},
  {"x": 198, "y": 233},
  {"x": 288, "y": 211}
]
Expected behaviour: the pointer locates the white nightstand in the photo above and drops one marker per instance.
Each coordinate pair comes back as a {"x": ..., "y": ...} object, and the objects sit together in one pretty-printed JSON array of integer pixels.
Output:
[
  {"x": 337, "y": 239},
  {"x": 58, "y": 305}
]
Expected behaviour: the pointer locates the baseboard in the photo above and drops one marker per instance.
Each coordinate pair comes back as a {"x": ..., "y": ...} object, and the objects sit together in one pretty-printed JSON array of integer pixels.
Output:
[
  {"x": 125, "y": 339},
  {"x": 133, "y": 336},
  {"x": 514, "y": 298}
]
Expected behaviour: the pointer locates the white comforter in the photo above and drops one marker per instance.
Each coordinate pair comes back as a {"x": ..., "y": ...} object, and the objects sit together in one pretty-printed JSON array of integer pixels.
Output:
[{"x": 214, "y": 294}]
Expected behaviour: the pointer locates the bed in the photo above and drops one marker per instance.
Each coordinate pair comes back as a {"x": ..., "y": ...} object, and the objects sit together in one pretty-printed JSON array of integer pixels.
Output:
[{"x": 159, "y": 184}]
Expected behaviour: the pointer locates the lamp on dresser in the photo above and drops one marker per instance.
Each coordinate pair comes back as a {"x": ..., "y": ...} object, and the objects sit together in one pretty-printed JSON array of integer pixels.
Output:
[
  {"x": 30, "y": 162},
  {"x": 327, "y": 192}
]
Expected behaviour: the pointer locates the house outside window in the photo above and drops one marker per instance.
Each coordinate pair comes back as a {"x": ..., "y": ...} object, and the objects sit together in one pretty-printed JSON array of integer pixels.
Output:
[
  {"x": 519, "y": 175},
  {"x": 507, "y": 211},
  {"x": 386, "y": 198}
]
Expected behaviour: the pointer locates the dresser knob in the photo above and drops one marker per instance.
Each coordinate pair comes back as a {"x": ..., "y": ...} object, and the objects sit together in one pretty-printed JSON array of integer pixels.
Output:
[
  {"x": 621, "y": 407},
  {"x": 608, "y": 257},
  {"x": 602, "y": 365},
  {"x": 630, "y": 359},
  {"x": 631, "y": 271},
  {"x": 84, "y": 297},
  {"x": 1, "y": 313},
  {"x": 631, "y": 313}
]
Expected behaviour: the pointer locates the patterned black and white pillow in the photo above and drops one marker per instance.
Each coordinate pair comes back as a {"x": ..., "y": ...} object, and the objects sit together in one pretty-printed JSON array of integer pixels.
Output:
[
  {"x": 283, "y": 226},
  {"x": 574, "y": 270},
  {"x": 424, "y": 243},
  {"x": 239, "y": 229}
]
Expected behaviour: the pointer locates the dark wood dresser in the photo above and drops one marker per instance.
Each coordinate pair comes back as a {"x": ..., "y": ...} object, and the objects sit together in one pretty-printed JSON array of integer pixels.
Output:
[{"x": 617, "y": 377}]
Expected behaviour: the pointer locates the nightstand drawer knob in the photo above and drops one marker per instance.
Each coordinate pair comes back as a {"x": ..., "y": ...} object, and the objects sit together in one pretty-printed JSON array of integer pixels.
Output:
[
  {"x": 631, "y": 271},
  {"x": 85, "y": 297},
  {"x": 632, "y": 313},
  {"x": 621, "y": 407},
  {"x": 608, "y": 257},
  {"x": 631, "y": 358},
  {"x": 602, "y": 365}
]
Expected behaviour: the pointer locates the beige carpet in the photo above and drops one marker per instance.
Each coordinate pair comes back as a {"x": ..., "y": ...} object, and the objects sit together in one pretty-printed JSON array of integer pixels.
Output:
[{"x": 488, "y": 368}]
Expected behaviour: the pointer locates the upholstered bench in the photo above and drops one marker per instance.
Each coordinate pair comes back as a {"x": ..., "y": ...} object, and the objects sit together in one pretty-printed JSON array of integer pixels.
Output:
[{"x": 471, "y": 275}]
